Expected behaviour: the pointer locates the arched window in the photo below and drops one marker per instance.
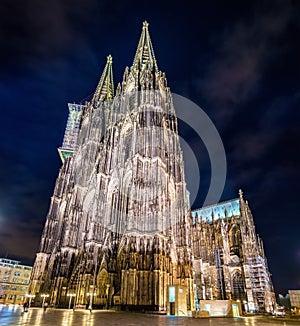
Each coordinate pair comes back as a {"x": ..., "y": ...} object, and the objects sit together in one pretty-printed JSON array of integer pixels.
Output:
[
  {"x": 114, "y": 204},
  {"x": 235, "y": 240},
  {"x": 238, "y": 287},
  {"x": 219, "y": 239}
]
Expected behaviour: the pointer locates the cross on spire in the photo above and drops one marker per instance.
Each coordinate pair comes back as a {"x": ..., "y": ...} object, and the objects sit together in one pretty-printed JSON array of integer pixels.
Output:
[{"x": 241, "y": 193}]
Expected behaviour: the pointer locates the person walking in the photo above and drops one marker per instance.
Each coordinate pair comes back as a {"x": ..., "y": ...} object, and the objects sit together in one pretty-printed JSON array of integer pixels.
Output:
[{"x": 25, "y": 306}]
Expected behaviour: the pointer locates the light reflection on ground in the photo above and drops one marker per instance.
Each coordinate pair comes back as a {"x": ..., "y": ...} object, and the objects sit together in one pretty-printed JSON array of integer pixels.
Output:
[{"x": 14, "y": 315}]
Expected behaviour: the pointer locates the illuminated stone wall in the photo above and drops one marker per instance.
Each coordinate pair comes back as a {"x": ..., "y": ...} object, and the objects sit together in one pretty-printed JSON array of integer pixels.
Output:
[
  {"x": 118, "y": 227},
  {"x": 229, "y": 259}
]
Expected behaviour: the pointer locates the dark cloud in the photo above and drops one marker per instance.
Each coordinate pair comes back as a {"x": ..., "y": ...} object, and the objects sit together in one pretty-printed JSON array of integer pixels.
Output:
[
  {"x": 246, "y": 48},
  {"x": 20, "y": 238},
  {"x": 39, "y": 28}
]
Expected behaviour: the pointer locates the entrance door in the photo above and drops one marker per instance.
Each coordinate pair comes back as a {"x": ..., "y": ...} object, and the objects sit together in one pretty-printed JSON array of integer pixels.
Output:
[
  {"x": 172, "y": 308},
  {"x": 235, "y": 310}
]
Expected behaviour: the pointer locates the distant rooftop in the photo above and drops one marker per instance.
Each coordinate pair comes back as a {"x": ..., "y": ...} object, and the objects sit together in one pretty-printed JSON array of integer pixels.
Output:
[
  {"x": 13, "y": 263},
  {"x": 231, "y": 207},
  {"x": 9, "y": 261}
]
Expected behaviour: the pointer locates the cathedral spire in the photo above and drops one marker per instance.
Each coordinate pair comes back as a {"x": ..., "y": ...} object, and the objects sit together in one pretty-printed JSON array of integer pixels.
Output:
[
  {"x": 105, "y": 88},
  {"x": 144, "y": 55},
  {"x": 241, "y": 194}
]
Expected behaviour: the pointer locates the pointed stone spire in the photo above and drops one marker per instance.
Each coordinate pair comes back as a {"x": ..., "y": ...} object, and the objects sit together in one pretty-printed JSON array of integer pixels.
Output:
[
  {"x": 241, "y": 194},
  {"x": 105, "y": 88},
  {"x": 144, "y": 56}
]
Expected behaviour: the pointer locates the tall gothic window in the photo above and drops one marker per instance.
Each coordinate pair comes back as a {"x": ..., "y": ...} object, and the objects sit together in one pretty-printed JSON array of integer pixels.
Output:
[
  {"x": 238, "y": 287},
  {"x": 235, "y": 240},
  {"x": 219, "y": 239},
  {"x": 114, "y": 203}
]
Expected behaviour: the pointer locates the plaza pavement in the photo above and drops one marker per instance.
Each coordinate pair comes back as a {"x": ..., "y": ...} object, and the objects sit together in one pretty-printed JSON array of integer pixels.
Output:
[{"x": 14, "y": 315}]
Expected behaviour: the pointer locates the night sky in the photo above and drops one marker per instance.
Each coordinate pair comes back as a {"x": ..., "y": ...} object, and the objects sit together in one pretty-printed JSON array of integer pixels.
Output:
[{"x": 238, "y": 60}]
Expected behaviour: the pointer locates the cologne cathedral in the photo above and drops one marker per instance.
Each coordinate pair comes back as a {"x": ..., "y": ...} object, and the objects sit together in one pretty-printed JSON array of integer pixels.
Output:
[
  {"x": 229, "y": 260},
  {"x": 119, "y": 231}
]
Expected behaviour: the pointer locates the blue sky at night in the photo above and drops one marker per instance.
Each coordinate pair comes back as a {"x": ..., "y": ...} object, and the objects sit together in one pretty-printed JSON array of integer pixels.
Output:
[{"x": 238, "y": 60}]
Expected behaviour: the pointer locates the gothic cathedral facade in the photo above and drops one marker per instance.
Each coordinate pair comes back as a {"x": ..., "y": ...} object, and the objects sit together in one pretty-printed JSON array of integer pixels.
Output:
[
  {"x": 229, "y": 259},
  {"x": 119, "y": 231},
  {"x": 118, "y": 224}
]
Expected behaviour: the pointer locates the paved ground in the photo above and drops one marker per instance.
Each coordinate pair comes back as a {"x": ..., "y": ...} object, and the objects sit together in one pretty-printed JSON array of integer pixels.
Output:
[{"x": 14, "y": 315}]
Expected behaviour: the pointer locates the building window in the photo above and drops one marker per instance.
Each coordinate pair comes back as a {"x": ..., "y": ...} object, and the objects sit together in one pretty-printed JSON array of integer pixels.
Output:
[
  {"x": 238, "y": 287},
  {"x": 17, "y": 274}
]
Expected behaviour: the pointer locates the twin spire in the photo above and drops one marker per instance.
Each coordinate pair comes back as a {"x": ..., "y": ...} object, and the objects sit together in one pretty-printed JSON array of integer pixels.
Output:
[
  {"x": 144, "y": 57},
  {"x": 105, "y": 88}
]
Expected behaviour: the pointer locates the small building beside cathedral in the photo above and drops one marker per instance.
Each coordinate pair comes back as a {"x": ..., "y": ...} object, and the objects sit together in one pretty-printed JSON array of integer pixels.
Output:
[
  {"x": 14, "y": 281},
  {"x": 119, "y": 231}
]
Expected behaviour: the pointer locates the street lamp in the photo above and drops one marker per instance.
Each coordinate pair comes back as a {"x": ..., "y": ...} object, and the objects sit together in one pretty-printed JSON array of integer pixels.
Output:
[
  {"x": 30, "y": 296},
  {"x": 44, "y": 296},
  {"x": 71, "y": 295},
  {"x": 246, "y": 305},
  {"x": 92, "y": 294}
]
